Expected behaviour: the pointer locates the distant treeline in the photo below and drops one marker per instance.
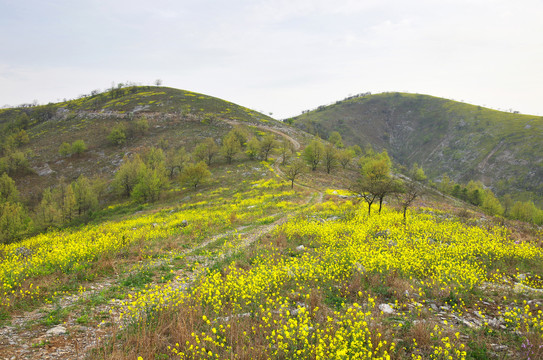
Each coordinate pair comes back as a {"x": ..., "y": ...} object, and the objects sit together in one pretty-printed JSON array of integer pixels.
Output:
[{"x": 476, "y": 194}]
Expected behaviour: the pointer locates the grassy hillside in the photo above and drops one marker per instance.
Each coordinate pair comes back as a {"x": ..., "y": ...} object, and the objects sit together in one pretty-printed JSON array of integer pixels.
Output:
[
  {"x": 179, "y": 117},
  {"x": 465, "y": 141}
]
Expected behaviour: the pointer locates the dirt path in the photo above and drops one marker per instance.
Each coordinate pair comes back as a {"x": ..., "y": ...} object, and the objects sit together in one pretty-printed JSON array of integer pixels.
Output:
[
  {"x": 28, "y": 336},
  {"x": 293, "y": 141}
]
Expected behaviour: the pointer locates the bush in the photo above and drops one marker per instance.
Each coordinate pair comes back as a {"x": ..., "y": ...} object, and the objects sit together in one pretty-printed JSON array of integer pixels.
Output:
[{"x": 117, "y": 136}]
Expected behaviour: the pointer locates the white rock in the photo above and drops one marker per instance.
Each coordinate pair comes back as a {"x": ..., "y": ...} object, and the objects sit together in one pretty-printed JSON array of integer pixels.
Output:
[
  {"x": 57, "y": 330},
  {"x": 386, "y": 308},
  {"x": 300, "y": 248}
]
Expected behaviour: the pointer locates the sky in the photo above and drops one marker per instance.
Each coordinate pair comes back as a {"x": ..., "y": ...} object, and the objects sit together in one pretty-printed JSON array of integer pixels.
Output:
[{"x": 276, "y": 56}]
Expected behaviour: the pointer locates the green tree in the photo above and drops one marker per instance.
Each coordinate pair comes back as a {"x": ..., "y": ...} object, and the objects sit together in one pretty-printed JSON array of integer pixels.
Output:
[
  {"x": 267, "y": 144},
  {"x": 287, "y": 149},
  {"x": 128, "y": 175},
  {"x": 175, "y": 160},
  {"x": 14, "y": 162},
  {"x": 140, "y": 127},
  {"x": 524, "y": 211},
  {"x": 163, "y": 144},
  {"x": 240, "y": 133},
  {"x": 456, "y": 191},
  {"x": 357, "y": 150},
  {"x": 151, "y": 177},
  {"x": 195, "y": 174},
  {"x": 230, "y": 147},
  {"x": 446, "y": 185},
  {"x": 149, "y": 186},
  {"x": 206, "y": 150},
  {"x": 78, "y": 147},
  {"x": 345, "y": 157},
  {"x": 22, "y": 120},
  {"x": 68, "y": 202},
  {"x": 475, "y": 192},
  {"x": 85, "y": 197},
  {"x": 313, "y": 154},
  {"x": 330, "y": 157},
  {"x": 117, "y": 136},
  {"x": 8, "y": 190},
  {"x": 336, "y": 139},
  {"x": 47, "y": 213},
  {"x": 14, "y": 222},
  {"x": 65, "y": 149},
  {"x": 375, "y": 180},
  {"x": 253, "y": 148},
  {"x": 21, "y": 138},
  {"x": 417, "y": 173},
  {"x": 155, "y": 159},
  {"x": 507, "y": 204},
  {"x": 490, "y": 204}
]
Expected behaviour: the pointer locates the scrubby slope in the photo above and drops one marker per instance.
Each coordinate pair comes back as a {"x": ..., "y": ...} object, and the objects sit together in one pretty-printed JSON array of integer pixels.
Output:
[
  {"x": 465, "y": 141},
  {"x": 180, "y": 117}
]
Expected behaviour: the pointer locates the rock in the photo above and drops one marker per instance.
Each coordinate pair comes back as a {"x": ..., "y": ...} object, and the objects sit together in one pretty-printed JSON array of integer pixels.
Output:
[
  {"x": 300, "y": 248},
  {"x": 360, "y": 267},
  {"x": 479, "y": 315},
  {"x": 23, "y": 252},
  {"x": 434, "y": 307},
  {"x": 43, "y": 171},
  {"x": 79, "y": 328},
  {"x": 383, "y": 233},
  {"x": 493, "y": 322},
  {"x": 184, "y": 223},
  {"x": 498, "y": 347},
  {"x": 386, "y": 308},
  {"x": 468, "y": 323},
  {"x": 57, "y": 330}
]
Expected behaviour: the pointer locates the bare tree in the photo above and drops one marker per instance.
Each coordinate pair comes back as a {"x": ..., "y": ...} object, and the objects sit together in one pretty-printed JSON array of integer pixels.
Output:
[
  {"x": 410, "y": 191},
  {"x": 295, "y": 168}
]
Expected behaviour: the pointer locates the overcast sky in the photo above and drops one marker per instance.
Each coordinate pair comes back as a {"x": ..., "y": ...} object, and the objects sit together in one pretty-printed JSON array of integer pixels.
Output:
[{"x": 279, "y": 56}]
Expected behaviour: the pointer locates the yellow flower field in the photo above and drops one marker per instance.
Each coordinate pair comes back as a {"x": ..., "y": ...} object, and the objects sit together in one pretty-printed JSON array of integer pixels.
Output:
[{"x": 317, "y": 290}]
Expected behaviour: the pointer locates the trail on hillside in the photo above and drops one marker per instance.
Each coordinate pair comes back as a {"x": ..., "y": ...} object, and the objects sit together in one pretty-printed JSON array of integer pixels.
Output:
[
  {"x": 28, "y": 338},
  {"x": 293, "y": 141}
]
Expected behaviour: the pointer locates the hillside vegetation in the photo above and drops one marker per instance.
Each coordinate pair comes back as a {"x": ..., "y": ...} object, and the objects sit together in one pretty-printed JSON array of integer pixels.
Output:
[
  {"x": 180, "y": 117},
  {"x": 466, "y": 142},
  {"x": 166, "y": 232}
]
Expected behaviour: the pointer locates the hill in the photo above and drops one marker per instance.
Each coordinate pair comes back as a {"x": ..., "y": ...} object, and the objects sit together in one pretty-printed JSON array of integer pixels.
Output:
[
  {"x": 178, "y": 117},
  {"x": 467, "y": 142}
]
